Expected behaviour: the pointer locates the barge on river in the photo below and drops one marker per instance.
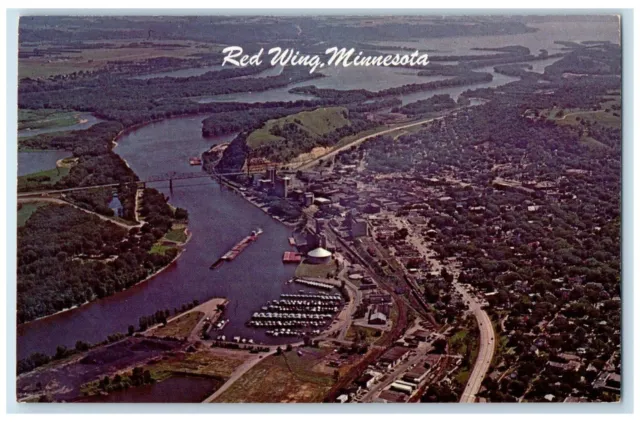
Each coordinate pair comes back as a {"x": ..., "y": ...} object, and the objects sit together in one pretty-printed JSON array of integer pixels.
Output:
[{"x": 239, "y": 247}]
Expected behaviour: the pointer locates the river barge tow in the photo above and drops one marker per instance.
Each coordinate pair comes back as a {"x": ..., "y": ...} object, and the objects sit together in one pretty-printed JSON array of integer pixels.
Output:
[{"x": 237, "y": 249}]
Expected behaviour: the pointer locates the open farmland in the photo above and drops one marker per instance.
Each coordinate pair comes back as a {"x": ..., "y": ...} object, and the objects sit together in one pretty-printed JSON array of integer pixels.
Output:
[
  {"x": 285, "y": 378},
  {"x": 39, "y": 119},
  {"x": 91, "y": 59},
  {"x": 217, "y": 363}
]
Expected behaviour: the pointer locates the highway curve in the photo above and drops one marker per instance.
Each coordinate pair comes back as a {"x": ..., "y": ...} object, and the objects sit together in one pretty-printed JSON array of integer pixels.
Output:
[{"x": 487, "y": 347}]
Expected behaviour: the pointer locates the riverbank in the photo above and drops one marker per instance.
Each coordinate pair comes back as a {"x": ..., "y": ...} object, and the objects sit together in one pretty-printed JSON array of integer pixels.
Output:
[
  {"x": 167, "y": 351},
  {"x": 237, "y": 190},
  {"x": 182, "y": 247}
]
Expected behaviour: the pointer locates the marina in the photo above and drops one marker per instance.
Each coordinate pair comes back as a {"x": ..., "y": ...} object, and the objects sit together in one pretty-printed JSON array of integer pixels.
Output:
[
  {"x": 285, "y": 317},
  {"x": 220, "y": 324}
]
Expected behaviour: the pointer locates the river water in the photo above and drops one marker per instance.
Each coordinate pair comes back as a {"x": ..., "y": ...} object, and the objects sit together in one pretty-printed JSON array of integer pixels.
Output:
[
  {"x": 177, "y": 389},
  {"x": 373, "y": 79},
  {"x": 219, "y": 218},
  {"x": 35, "y": 161}
]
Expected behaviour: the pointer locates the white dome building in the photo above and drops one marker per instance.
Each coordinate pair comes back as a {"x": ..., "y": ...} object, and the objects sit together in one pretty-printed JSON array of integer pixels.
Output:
[{"x": 319, "y": 256}]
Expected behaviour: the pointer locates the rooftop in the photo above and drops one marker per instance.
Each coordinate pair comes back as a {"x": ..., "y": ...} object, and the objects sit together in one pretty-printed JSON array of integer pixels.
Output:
[{"x": 319, "y": 253}]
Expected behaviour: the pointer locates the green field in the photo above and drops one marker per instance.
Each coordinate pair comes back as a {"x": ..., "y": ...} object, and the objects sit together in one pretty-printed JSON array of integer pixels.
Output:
[
  {"x": 26, "y": 210},
  {"x": 465, "y": 342},
  {"x": 316, "y": 270},
  {"x": 176, "y": 235},
  {"x": 608, "y": 116},
  {"x": 160, "y": 249},
  {"x": 42, "y": 179},
  {"x": 96, "y": 58},
  {"x": 41, "y": 119},
  {"x": 315, "y": 123}
]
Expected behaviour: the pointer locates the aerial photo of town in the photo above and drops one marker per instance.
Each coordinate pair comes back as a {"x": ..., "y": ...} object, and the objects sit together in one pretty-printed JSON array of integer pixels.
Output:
[{"x": 435, "y": 232}]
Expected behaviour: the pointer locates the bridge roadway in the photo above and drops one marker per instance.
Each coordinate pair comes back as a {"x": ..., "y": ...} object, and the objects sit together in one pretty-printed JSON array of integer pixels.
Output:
[{"x": 167, "y": 177}]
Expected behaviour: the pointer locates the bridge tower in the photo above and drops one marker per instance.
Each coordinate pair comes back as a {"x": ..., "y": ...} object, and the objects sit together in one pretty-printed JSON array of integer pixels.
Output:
[{"x": 171, "y": 176}]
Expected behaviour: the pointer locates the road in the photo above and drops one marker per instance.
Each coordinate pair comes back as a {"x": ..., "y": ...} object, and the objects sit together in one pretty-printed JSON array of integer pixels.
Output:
[
  {"x": 487, "y": 347},
  {"x": 63, "y": 202},
  {"x": 355, "y": 295},
  {"x": 243, "y": 369},
  {"x": 362, "y": 139},
  {"x": 487, "y": 334},
  {"x": 56, "y": 191},
  {"x": 168, "y": 177},
  {"x": 356, "y": 299},
  {"x": 237, "y": 373}
]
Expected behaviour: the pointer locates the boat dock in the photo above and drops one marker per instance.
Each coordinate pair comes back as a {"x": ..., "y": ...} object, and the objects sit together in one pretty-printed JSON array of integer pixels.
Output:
[
  {"x": 309, "y": 312},
  {"x": 316, "y": 284},
  {"x": 291, "y": 257}
]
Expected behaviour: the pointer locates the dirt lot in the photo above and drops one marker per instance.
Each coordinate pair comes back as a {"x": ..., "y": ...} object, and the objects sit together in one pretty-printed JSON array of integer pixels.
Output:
[
  {"x": 285, "y": 378},
  {"x": 367, "y": 334},
  {"x": 179, "y": 327},
  {"x": 218, "y": 363},
  {"x": 334, "y": 360}
]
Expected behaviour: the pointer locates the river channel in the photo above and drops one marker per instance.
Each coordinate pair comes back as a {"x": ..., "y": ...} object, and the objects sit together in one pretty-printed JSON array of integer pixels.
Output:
[{"x": 218, "y": 219}]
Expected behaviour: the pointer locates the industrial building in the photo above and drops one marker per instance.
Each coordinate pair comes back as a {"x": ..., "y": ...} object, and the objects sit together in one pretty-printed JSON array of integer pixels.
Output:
[
  {"x": 282, "y": 186},
  {"x": 393, "y": 356},
  {"x": 417, "y": 375},
  {"x": 358, "y": 227},
  {"x": 319, "y": 256},
  {"x": 366, "y": 380},
  {"x": 379, "y": 314}
]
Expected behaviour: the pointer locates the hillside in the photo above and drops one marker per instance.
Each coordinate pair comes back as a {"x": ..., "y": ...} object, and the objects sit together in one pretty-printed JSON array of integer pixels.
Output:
[
  {"x": 284, "y": 138},
  {"x": 316, "y": 123}
]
